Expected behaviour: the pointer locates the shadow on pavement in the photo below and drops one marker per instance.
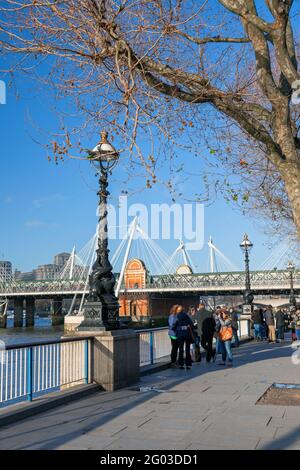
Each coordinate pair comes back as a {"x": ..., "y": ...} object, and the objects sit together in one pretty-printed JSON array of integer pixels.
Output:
[{"x": 68, "y": 422}]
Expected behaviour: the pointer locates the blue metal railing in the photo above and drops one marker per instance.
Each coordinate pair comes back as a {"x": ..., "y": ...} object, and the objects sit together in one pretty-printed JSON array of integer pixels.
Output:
[
  {"x": 154, "y": 344},
  {"x": 28, "y": 371}
]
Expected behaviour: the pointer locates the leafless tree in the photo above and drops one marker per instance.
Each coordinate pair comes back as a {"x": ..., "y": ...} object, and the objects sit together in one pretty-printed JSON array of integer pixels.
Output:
[{"x": 171, "y": 68}]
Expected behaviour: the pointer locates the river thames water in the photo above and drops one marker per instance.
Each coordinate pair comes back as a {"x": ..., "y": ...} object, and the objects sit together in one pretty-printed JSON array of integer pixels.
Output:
[{"x": 42, "y": 331}]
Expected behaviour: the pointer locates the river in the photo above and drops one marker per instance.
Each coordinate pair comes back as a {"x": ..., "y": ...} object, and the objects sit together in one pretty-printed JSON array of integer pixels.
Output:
[{"x": 42, "y": 331}]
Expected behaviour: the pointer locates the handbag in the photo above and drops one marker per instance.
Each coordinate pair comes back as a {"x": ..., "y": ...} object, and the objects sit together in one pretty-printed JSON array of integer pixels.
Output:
[{"x": 225, "y": 333}]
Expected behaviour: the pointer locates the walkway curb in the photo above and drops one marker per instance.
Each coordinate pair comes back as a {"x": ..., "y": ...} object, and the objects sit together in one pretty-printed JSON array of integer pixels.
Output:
[{"x": 23, "y": 410}]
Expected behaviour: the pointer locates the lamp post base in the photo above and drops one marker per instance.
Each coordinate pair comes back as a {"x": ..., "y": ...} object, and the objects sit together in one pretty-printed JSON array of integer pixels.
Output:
[
  {"x": 92, "y": 314},
  {"x": 98, "y": 316}
]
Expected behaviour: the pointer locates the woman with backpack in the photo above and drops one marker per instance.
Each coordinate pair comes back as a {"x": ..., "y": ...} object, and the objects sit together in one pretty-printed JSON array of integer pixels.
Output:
[{"x": 183, "y": 328}]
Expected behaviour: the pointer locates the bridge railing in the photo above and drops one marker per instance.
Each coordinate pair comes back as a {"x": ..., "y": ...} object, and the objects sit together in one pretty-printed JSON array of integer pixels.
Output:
[{"x": 226, "y": 280}]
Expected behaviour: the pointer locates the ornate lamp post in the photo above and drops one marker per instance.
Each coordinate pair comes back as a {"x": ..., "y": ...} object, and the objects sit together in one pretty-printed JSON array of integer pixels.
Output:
[
  {"x": 246, "y": 246},
  {"x": 101, "y": 310},
  {"x": 291, "y": 269}
]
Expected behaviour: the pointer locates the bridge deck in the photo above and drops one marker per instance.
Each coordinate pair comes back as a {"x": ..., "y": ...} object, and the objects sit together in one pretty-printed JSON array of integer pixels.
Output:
[{"x": 209, "y": 407}]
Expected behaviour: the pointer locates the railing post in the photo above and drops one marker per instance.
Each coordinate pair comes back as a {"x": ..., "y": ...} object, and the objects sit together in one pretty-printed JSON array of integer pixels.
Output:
[
  {"x": 86, "y": 361},
  {"x": 29, "y": 374},
  {"x": 151, "y": 348}
]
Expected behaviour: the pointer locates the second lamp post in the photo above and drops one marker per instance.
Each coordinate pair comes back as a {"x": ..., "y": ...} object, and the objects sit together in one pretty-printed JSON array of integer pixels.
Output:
[
  {"x": 291, "y": 269},
  {"x": 246, "y": 246}
]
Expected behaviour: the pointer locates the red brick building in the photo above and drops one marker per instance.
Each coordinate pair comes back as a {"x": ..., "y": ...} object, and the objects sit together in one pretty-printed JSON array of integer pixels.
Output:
[{"x": 158, "y": 304}]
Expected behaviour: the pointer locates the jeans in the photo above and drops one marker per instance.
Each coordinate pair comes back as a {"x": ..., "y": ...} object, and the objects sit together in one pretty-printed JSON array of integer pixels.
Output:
[
  {"x": 280, "y": 332},
  {"x": 184, "y": 344},
  {"x": 174, "y": 350},
  {"x": 298, "y": 332},
  {"x": 207, "y": 344},
  {"x": 258, "y": 334},
  {"x": 226, "y": 350},
  {"x": 236, "y": 337}
]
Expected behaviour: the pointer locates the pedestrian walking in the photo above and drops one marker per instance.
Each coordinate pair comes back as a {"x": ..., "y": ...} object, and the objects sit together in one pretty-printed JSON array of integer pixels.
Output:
[
  {"x": 216, "y": 316},
  {"x": 183, "y": 328},
  {"x": 205, "y": 329},
  {"x": 257, "y": 319},
  {"x": 235, "y": 326},
  {"x": 279, "y": 317},
  {"x": 195, "y": 346},
  {"x": 225, "y": 337},
  {"x": 270, "y": 322},
  {"x": 172, "y": 336}
]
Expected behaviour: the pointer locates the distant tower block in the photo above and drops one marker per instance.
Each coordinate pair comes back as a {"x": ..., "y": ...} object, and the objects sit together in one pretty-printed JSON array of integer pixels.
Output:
[{"x": 184, "y": 269}]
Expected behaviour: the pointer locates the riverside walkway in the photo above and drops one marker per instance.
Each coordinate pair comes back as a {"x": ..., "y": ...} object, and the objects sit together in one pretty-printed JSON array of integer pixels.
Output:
[{"x": 208, "y": 407}]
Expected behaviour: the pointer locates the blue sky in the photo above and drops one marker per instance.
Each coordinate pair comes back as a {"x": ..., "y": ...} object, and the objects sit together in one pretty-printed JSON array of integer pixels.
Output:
[{"x": 45, "y": 209}]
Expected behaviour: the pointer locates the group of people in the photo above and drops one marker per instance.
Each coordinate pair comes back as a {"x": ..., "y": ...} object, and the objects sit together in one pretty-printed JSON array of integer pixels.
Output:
[
  {"x": 199, "y": 327},
  {"x": 271, "y": 323},
  {"x": 189, "y": 330}
]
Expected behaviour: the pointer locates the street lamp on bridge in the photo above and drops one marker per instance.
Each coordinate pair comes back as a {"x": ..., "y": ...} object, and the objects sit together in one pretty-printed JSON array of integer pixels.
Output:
[
  {"x": 246, "y": 246},
  {"x": 291, "y": 269},
  {"x": 101, "y": 310}
]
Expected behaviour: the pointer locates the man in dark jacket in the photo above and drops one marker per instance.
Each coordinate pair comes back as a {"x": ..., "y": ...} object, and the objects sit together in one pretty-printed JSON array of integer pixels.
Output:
[
  {"x": 206, "y": 328},
  {"x": 257, "y": 319},
  {"x": 279, "y": 317},
  {"x": 183, "y": 328},
  {"x": 270, "y": 321},
  {"x": 235, "y": 326}
]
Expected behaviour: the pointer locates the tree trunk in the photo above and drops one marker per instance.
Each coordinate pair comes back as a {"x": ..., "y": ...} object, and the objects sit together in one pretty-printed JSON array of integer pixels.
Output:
[{"x": 291, "y": 175}]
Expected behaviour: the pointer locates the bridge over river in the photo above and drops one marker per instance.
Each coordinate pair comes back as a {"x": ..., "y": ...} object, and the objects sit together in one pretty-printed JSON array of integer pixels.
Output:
[
  {"x": 157, "y": 276},
  {"x": 275, "y": 281}
]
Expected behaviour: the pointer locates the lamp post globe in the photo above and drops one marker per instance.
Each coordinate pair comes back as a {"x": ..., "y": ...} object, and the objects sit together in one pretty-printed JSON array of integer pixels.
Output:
[
  {"x": 101, "y": 310},
  {"x": 246, "y": 246}
]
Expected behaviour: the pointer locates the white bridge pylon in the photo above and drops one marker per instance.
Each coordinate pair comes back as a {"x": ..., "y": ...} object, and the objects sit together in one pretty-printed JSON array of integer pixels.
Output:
[
  {"x": 180, "y": 256},
  {"x": 213, "y": 252}
]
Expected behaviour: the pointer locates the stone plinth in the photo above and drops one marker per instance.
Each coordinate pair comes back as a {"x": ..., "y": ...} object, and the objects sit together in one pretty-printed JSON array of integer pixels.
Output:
[{"x": 116, "y": 359}]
